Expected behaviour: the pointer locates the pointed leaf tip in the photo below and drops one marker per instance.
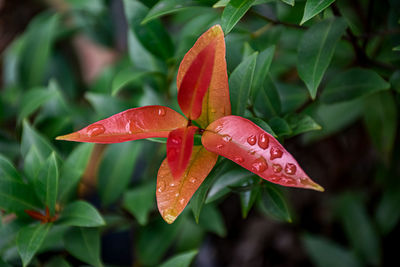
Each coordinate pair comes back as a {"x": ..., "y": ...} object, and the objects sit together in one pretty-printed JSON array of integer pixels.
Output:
[
  {"x": 243, "y": 142},
  {"x": 131, "y": 124}
]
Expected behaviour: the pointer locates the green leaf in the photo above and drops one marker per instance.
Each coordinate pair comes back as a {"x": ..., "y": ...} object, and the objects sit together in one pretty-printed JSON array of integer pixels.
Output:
[
  {"x": 82, "y": 214},
  {"x": 139, "y": 201},
  {"x": 280, "y": 127},
  {"x": 73, "y": 168},
  {"x": 353, "y": 84},
  {"x": 380, "y": 117},
  {"x": 15, "y": 196},
  {"x": 289, "y": 2},
  {"x": 105, "y": 105},
  {"x": 165, "y": 7},
  {"x": 325, "y": 253},
  {"x": 116, "y": 170},
  {"x": 240, "y": 84},
  {"x": 261, "y": 70},
  {"x": 316, "y": 49},
  {"x": 31, "y": 138},
  {"x": 314, "y": 7},
  {"x": 301, "y": 123},
  {"x": 37, "y": 48},
  {"x": 32, "y": 100},
  {"x": 84, "y": 244},
  {"x": 200, "y": 195},
  {"x": 46, "y": 183},
  {"x": 181, "y": 260},
  {"x": 274, "y": 204},
  {"x": 359, "y": 229},
  {"x": 292, "y": 96},
  {"x": 29, "y": 240},
  {"x": 57, "y": 262},
  {"x": 267, "y": 100},
  {"x": 388, "y": 214},
  {"x": 154, "y": 240},
  {"x": 249, "y": 197},
  {"x": 395, "y": 81},
  {"x": 125, "y": 77},
  {"x": 32, "y": 163},
  {"x": 212, "y": 221},
  {"x": 263, "y": 125},
  {"x": 233, "y": 12},
  {"x": 221, "y": 3},
  {"x": 151, "y": 35}
]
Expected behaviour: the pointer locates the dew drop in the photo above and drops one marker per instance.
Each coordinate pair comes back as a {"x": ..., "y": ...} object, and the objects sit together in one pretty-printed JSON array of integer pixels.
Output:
[
  {"x": 161, "y": 111},
  {"x": 172, "y": 184},
  {"x": 239, "y": 159},
  {"x": 276, "y": 168},
  {"x": 176, "y": 140},
  {"x": 218, "y": 128},
  {"x": 263, "y": 141},
  {"x": 252, "y": 151},
  {"x": 252, "y": 140},
  {"x": 128, "y": 127},
  {"x": 275, "y": 153},
  {"x": 227, "y": 138},
  {"x": 182, "y": 201},
  {"x": 220, "y": 146},
  {"x": 177, "y": 195},
  {"x": 275, "y": 178},
  {"x": 95, "y": 130},
  {"x": 290, "y": 168},
  {"x": 193, "y": 180},
  {"x": 170, "y": 215},
  {"x": 259, "y": 165},
  {"x": 161, "y": 187}
]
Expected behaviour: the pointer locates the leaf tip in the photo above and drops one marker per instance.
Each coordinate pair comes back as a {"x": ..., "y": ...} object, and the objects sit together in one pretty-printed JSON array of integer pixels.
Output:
[
  {"x": 169, "y": 215},
  {"x": 68, "y": 137}
]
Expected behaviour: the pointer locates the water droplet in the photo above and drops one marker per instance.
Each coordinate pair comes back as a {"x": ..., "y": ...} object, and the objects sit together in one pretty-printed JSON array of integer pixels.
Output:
[
  {"x": 275, "y": 178},
  {"x": 182, "y": 201},
  {"x": 290, "y": 168},
  {"x": 95, "y": 130},
  {"x": 259, "y": 165},
  {"x": 252, "y": 151},
  {"x": 227, "y": 138},
  {"x": 172, "y": 184},
  {"x": 263, "y": 141},
  {"x": 161, "y": 111},
  {"x": 239, "y": 159},
  {"x": 176, "y": 140},
  {"x": 177, "y": 195},
  {"x": 220, "y": 146},
  {"x": 193, "y": 180},
  {"x": 252, "y": 140},
  {"x": 161, "y": 187},
  {"x": 218, "y": 128},
  {"x": 275, "y": 153},
  {"x": 170, "y": 215},
  {"x": 128, "y": 127},
  {"x": 276, "y": 168}
]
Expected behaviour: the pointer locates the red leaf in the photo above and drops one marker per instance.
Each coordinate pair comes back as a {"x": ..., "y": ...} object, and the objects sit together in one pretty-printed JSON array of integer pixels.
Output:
[
  {"x": 172, "y": 195},
  {"x": 36, "y": 215},
  {"x": 196, "y": 82},
  {"x": 216, "y": 102},
  {"x": 131, "y": 124},
  {"x": 179, "y": 149},
  {"x": 243, "y": 142}
]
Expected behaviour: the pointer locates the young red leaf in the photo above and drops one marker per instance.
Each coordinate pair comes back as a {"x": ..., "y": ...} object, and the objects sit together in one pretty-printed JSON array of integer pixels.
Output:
[
  {"x": 216, "y": 102},
  {"x": 131, "y": 124},
  {"x": 196, "y": 81},
  {"x": 179, "y": 149},
  {"x": 243, "y": 142},
  {"x": 172, "y": 195}
]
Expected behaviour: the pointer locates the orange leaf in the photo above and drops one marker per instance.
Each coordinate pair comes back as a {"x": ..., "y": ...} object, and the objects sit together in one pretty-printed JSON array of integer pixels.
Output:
[
  {"x": 243, "y": 142},
  {"x": 131, "y": 124},
  {"x": 216, "y": 102},
  {"x": 173, "y": 196},
  {"x": 179, "y": 149},
  {"x": 195, "y": 83}
]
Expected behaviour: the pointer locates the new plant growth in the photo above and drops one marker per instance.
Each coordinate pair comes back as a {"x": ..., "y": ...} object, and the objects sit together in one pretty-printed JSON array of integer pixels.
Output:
[{"x": 203, "y": 96}]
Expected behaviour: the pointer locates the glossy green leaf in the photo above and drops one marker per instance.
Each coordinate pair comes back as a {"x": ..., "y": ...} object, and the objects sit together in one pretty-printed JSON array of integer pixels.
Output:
[
  {"x": 315, "y": 51},
  {"x": 125, "y": 77},
  {"x": 165, "y": 7},
  {"x": 313, "y": 8},
  {"x": 387, "y": 214},
  {"x": 353, "y": 84},
  {"x": 29, "y": 240},
  {"x": 116, "y": 170},
  {"x": 263, "y": 125},
  {"x": 325, "y": 253},
  {"x": 84, "y": 244},
  {"x": 359, "y": 228},
  {"x": 395, "y": 81},
  {"x": 233, "y": 12},
  {"x": 264, "y": 60},
  {"x": 57, "y": 262},
  {"x": 280, "y": 127},
  {"x": 240, "y": 83},
  {"x": 34, "y": 99},
  {"x": 249, "y": 197},
  {"x": 31, "y": 138},
  {"x": 106, "y": 105},
  {"x": 36, "y": 49},
  {"x": 380, "y": 117},
  {"x": 301, "y": 123},
  {"x": 221, "y": 3},
  {"x": 8, "y": 171},
  {"x": 46, "y": 183},
  {"x": 273, "y": 203},
  {"x": 289, "y": 2},
  {"x": 139, "y": 201},
  {"x": 212, "y": 221},
  {"x": 151, "y": 35},
  {"x": 82, "y": 214},
  {"x": 181, "y": 260},
  {"x": 73, "y": 169},
  {"x": 266, "y": 100},
  {"x": 292, "y": 97}
]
